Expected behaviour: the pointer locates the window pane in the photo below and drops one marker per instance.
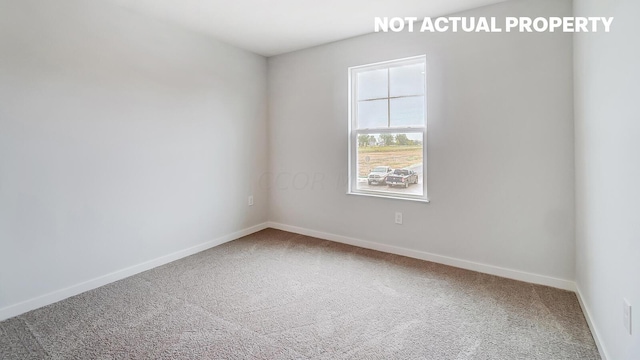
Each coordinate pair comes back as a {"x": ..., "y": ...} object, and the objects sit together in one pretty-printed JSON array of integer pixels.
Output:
[
  {"x": 372, "y": 114},
  {"x": 407, "y": 111},
  {"x": 407, "y": 80},
  {"x": 390, "y": 163},
  {"x": 372, "y": 84}
]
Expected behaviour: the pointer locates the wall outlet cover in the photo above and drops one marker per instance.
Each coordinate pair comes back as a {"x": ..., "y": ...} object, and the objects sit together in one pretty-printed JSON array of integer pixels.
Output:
[{"x": 399, "y": 218}]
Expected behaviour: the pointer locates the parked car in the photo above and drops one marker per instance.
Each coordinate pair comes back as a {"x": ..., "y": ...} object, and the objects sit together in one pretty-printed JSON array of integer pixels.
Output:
[
  {"x": 378, "y": 176},
  {"x": 402, "y": 177}
]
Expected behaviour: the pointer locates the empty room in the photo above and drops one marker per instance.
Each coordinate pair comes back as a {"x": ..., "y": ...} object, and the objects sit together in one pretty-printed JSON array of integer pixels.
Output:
[{"x": 296, "y": 179}]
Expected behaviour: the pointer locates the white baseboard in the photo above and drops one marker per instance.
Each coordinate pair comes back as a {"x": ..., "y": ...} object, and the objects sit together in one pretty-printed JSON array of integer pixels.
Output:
[
  {"x": 592, "y": 325},
  {"x": 422, "y": 255},
  {"x": 55, "y": 296}
]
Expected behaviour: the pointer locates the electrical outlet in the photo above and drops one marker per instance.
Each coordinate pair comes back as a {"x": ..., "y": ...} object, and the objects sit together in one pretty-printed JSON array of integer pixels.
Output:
[
  {"x": 399, "y": 218},
  {"x": 250, "y": 200},
  {"x": 626, "y": 313}
]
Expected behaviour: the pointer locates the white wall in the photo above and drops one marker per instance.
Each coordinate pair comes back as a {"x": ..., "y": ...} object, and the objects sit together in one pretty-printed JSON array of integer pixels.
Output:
[
  {"x": 607, "y": 127},
  {"x": 122, "y": 139},
  {"x": 500, "y": 144}
]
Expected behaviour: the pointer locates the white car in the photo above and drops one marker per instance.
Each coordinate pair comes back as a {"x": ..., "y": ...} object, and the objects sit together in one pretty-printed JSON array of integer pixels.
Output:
[{"x": 378, "y": 176}]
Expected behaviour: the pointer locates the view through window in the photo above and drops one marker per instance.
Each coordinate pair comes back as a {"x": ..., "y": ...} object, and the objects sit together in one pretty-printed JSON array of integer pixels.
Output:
[{"x": 388, "y": 129}]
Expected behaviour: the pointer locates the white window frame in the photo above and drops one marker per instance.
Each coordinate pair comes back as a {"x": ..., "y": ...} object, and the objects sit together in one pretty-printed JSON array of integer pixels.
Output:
[{"x": 354, "y": 131}]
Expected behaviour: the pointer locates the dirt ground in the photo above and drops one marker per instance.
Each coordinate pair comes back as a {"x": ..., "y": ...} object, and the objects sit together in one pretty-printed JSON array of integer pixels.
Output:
[{"x": 395, "y": 156}]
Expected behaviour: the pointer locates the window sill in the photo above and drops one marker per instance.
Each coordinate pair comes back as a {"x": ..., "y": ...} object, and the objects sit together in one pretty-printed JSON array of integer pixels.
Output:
[{"x": 390, "y": 196}]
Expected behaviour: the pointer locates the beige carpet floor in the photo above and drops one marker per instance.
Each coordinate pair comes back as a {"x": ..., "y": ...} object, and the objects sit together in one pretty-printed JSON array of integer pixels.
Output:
[{"x": 278, "y": 295}]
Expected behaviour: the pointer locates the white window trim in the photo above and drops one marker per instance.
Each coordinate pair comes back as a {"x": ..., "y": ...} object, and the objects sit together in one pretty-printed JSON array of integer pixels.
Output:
[{"x": 354, "y": 132}]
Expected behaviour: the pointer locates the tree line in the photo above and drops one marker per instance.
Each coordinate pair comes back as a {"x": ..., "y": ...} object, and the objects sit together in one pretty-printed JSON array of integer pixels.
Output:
[{"x": 386, "y": 140}]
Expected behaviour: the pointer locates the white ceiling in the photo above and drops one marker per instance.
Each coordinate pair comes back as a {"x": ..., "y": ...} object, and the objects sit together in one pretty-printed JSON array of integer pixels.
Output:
[{"x": 272, "y": 27}]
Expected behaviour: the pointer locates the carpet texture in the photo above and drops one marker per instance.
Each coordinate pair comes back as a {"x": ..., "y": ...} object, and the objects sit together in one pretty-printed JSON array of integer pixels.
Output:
[{"x": 278, "y": 295}]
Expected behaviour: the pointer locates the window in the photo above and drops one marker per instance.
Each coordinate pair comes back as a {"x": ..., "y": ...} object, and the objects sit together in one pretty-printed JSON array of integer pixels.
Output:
[{"x": 387, "y": 129}]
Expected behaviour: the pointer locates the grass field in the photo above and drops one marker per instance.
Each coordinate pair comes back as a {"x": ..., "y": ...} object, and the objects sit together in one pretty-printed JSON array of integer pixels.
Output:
[{"x": 395, "y": 156}]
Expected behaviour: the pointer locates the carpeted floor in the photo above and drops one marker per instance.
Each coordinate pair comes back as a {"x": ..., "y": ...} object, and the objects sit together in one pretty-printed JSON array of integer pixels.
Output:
[{"x": 278, "y": 295}]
